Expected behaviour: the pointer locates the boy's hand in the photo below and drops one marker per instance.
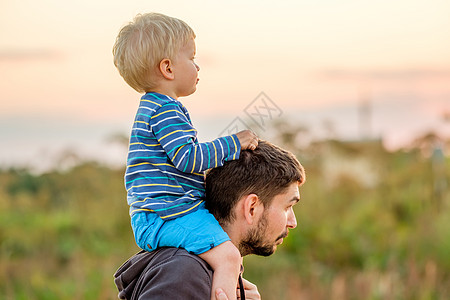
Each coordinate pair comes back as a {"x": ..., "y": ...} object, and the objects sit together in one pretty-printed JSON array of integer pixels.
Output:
[{"x": 248, "y": 139}]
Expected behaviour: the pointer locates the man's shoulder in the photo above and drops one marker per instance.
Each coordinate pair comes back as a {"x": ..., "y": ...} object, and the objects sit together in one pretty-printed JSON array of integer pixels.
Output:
[
  {"x": 164, "y": 273},
  {"x": 181, "y": 259},
  {"x": 164, "y": 258}
]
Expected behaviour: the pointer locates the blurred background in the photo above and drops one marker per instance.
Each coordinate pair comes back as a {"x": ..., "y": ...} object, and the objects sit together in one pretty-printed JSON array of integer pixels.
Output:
[{"x": 358, "y": 90}]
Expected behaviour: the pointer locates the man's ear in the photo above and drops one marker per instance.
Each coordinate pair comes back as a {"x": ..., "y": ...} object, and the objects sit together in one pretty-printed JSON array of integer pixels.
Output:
[
  {"x": 253, "y": 208},
  {"x": 166, "y": 69}
]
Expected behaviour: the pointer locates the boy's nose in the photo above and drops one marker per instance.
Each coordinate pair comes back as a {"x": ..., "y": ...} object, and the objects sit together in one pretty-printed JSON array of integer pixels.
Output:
[{"x": 198, "y": 68}]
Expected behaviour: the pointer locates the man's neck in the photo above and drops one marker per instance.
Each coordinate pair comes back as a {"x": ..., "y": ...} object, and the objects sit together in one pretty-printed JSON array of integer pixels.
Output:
[{"x": 234, "y": 233}]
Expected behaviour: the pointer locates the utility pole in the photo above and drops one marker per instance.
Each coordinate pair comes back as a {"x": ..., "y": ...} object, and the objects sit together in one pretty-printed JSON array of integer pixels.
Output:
[{"x": 365, "y": 115}]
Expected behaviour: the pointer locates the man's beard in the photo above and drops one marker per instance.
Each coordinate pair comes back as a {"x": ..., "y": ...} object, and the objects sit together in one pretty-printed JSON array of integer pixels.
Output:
[{"x": 254, "y": 241}]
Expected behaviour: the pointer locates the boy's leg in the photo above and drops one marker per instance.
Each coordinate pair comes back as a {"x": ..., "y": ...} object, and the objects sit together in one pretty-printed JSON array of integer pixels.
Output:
[
  {"x": 199, "y": 233},
  {"x": 144, "y": 226},
  {"x": 226, "y": 262}
]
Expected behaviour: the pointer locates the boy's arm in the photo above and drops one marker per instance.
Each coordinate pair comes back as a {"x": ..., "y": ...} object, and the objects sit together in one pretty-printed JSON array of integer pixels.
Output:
[{"x": 178, "y": 137}]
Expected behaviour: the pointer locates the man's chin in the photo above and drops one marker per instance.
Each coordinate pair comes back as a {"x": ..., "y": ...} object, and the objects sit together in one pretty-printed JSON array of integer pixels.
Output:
[
  {"x": 266, "y": 251},
  {"x": 260, "y": 250}
]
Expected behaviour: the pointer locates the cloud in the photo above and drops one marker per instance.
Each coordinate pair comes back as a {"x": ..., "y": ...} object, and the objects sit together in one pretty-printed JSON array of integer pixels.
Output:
[
  {"x": 19, "y": 55},
  {"x": 399, "y": 74}
]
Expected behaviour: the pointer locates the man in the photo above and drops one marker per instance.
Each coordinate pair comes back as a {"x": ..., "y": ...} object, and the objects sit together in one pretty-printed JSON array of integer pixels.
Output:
[{"x": 253, "y": 199}]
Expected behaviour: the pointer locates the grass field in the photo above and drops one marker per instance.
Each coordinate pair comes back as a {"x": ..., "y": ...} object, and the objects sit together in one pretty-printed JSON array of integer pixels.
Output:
[{"x": 64, "y": 233}]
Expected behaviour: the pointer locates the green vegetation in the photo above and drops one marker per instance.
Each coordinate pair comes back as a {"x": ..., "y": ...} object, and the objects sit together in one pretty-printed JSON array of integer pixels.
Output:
[{"x": 64, "y": 233}]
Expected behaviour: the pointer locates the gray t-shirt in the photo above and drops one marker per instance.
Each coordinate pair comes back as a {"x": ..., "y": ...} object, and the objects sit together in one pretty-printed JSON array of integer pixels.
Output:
[{"x": 166, "y": 273}]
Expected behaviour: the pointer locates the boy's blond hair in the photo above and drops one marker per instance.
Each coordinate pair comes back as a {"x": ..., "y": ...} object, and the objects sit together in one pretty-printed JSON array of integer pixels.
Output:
[{"x": 143, "y": 43}]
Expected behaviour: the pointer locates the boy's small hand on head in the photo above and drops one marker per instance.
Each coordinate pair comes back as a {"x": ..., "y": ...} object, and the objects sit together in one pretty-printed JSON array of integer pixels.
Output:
[{"x": 248, "y": 139}]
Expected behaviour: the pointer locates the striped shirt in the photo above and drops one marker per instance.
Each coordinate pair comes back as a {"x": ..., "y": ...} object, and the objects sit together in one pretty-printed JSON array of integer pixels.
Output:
[{"x": 166, "y": 163}]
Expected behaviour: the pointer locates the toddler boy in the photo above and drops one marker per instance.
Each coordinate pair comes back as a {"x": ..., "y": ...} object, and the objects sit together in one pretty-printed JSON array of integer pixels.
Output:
[{"x": 166, "y": 163}]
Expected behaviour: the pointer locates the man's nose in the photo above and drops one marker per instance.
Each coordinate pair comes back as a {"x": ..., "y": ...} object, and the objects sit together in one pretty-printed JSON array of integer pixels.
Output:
[
  {"x": 292, "y": 220},
  {"x": 198, "y": 68}
]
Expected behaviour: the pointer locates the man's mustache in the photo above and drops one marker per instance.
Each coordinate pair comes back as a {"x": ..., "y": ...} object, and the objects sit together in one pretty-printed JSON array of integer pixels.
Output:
[{"x": 283, "y": 235}]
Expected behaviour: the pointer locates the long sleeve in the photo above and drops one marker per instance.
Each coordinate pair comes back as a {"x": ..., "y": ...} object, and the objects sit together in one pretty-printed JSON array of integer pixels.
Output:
[
  {"x": 178, "y": 138},
  {"x": 166, "y": 163}
]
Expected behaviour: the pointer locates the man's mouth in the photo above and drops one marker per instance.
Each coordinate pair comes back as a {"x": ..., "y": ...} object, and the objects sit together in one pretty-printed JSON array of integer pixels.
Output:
[{"x": 283, "y": 235}]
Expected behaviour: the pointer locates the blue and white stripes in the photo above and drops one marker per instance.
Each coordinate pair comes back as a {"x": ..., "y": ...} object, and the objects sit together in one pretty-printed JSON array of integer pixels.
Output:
[{"x": 166, "y": 163}]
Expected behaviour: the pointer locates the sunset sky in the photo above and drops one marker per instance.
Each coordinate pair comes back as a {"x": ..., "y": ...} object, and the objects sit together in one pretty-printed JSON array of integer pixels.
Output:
[{"x": 316, "y": 60}]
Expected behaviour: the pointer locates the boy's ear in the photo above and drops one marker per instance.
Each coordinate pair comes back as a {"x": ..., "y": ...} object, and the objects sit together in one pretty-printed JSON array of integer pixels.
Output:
[
  {"x": 253, "y": 208},
  {"x": 166, "y": 69}
]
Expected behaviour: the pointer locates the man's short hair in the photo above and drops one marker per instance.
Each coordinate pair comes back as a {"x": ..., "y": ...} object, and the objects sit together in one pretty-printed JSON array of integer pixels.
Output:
[
  {"x": 143, "y": 43},
  {"x": 266, "y": 171}
]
